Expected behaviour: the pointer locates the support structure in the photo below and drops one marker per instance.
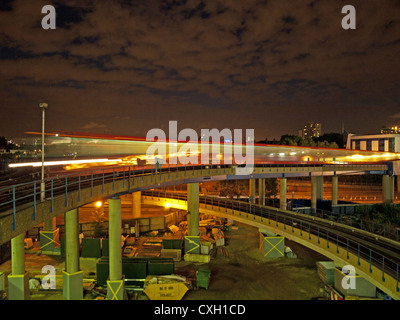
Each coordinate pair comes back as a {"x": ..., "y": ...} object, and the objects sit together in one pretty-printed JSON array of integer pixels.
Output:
[
  {"x": 115, "y": 283},
  {"x": 136, "y": 204},
  {"x": 49, "y": 237},
  {"x": 335, "y": 180},
  {"x": 192, "y": 240},
  {"x": 317, "y": 185},
  {"x": 18, "y": 280},
  {"x": 387, "y": 189},
  {"x": 72, "y": 276},
  {"x": 261, "y": 191},
  {"x": 283, "y": 191},
  {"x": 252, "y": 191},
  {"x": 193, "y": 209}
]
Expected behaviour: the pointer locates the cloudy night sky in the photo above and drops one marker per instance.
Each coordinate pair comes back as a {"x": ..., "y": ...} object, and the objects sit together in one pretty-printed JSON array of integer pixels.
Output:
[{"x": 124, "y": 67}]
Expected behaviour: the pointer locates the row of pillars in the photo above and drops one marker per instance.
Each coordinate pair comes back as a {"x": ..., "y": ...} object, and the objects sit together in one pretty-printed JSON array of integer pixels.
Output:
[
  {"x": 317, "y": 187},
  {"x": 18, "y": 280},
  {"x": 73, "y": 276}
]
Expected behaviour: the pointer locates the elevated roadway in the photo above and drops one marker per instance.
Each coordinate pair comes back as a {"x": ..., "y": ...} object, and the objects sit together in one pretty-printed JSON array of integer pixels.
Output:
[
  {"x": 374, "y": 257},
  {"x": 21, "y": 208}
]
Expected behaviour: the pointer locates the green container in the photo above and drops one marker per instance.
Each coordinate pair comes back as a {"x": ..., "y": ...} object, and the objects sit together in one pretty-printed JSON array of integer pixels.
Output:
[
  {"x": 203, "y": 278},
  {"x": 105, "y": 247},
  {"x": 91, "y": 248},
  {"x": 172, "y": 243},
  {"x": 156, "y": 268},
  {"x": 134, "y": 270},
  {"x": 102, "y": 273}
]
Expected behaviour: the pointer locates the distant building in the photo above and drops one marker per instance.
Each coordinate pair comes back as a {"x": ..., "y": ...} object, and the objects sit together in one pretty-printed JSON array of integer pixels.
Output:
[
  {"x": 379, "y": 142},
  {"x": 311, "y": 129}
]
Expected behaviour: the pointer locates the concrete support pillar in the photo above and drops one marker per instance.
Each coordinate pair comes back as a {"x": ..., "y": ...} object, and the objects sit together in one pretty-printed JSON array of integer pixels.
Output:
[
  {"x": 193, "y": 209},
  {"x": 115, "y": 283},
  {"x": 18, "y": 280},
  {"x": 317, "y": 185},
  {"x": 50, "y": 224},
  {"x": 314, "y": 194},
  {"x": 283, "y": 190},
  {"x": 387, "y": 189},
  {"x": 252, "y": 191},
  {"x": 320, "y": 187},
  {"x": 17, "y": 255},
  {"x": 261, "y": 191},
  {"x": 48, "y": 237},
  {"x": 114, "y": 224},
  {"x": 72, "y": 276},
  {"x": 137, "y": 204},
  {"x": 335, "y": 180}
]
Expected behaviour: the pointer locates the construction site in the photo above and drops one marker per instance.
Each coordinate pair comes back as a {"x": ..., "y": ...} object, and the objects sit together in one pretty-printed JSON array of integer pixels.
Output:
[{"x": 229, "y": 260}]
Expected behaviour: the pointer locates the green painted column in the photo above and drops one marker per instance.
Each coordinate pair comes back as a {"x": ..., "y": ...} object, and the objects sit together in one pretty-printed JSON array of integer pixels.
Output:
[
  {"x": 72, "y": 276},
  {"x": 114, "y": 224},
  {"x": 283, "y": 191},
  {"x": 252, "y": 191},
  {"x": 72, "y": 241},
  {"x": 387, "y": 189},
  {"x": 18, "y": 255},
  {"x": 193, "y": 209},
  {"x": 261, "y": 191},
  {"x": 136, "y": 204},
  {"x": 335, "y": 180},
  {"x": 115, "y": 282},
  {"x": 18, "y": 280}
]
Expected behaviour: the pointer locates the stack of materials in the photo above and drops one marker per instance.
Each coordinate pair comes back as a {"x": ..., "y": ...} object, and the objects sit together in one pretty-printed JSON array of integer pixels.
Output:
[
  {"x": 219, "y": 239},
  {"x": 216, "y": 237},
  {"x": 326, "y": 271},
  {"x": 172, "y": 248}
]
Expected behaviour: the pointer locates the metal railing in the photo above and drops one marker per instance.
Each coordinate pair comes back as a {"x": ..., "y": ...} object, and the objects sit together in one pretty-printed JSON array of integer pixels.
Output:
[
  {"x": 15, "y": 196},
  {"x": 387, "y": 265},
  {"x": 383, "y": 229}
]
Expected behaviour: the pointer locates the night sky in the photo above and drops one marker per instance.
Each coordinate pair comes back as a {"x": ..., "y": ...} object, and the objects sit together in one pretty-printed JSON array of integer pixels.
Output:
[{"x": 124, "y": 67}]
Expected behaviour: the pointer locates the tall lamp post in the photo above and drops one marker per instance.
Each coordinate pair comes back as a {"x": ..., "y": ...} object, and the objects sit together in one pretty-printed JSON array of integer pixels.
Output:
[{"x": 43, "y": 106}]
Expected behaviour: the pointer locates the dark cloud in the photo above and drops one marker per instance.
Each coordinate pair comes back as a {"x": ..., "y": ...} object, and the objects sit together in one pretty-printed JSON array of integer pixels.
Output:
[
  {"x": 268, "y": 65},
  {"x": 6, "y": 5}
]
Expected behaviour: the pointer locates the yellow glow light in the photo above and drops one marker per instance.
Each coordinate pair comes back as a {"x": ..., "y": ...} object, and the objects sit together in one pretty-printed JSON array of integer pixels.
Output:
[
  {"x": 167, "y": 205},
  {"x": 98, "y": 204}
]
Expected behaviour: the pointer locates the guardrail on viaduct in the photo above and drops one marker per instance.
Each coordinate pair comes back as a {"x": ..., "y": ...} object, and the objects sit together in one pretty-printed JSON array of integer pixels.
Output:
[
  {"x": 21, "y": 208},
  {"x": 373, "y": 266}
]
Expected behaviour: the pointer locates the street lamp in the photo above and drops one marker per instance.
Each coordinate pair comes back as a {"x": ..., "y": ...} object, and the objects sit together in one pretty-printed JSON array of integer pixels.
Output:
[{"x": 43, "y": 106}]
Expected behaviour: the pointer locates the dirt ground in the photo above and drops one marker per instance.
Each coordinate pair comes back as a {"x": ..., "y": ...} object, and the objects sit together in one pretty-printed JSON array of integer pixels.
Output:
[
  {"x": 243, "y": 275},
  {"x": 247, "y": 275}
]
